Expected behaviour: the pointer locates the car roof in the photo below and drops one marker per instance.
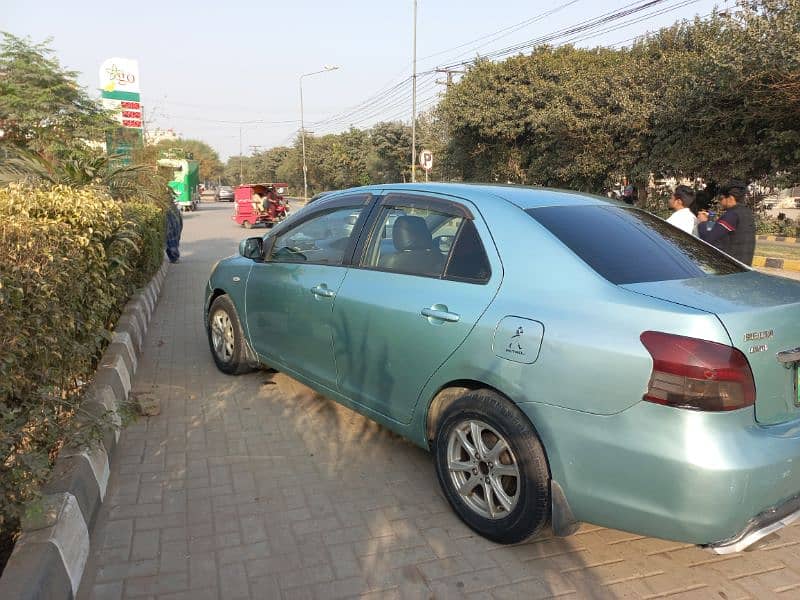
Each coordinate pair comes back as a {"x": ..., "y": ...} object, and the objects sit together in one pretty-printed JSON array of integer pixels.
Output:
[{"x": 524, "y": 197}]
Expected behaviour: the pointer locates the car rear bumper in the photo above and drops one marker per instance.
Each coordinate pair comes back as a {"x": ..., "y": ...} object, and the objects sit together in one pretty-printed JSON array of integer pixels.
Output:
[
  {"x": 712, "y": 479},
  {"x": 764, "y": 524}
]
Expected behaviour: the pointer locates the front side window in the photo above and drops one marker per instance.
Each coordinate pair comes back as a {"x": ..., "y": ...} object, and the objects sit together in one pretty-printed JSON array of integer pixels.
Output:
[
  {"x": 627, "y": 245},
  {"x": 322, "y": 239},
  {"x": 412, "y": 240}
]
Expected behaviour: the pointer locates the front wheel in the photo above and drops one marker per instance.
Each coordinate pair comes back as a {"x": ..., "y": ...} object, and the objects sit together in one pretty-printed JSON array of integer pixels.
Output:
[
  {"x": 492, "y": 467},
  {"x": 247, "y": 224},
  {"x": 226, "y": 338}
]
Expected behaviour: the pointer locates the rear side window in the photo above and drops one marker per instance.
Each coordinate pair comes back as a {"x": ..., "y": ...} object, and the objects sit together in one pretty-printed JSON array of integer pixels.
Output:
[
  {"x": 627, "y": 245},
  {"x": 468, "y": 261}
]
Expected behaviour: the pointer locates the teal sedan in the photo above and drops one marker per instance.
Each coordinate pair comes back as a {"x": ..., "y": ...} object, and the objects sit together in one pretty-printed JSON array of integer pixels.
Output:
[{"x": 564, "y": 357}]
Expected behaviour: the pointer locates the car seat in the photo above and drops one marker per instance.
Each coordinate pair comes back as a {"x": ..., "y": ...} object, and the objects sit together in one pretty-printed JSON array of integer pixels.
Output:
[{"x": 415, "y": 253}]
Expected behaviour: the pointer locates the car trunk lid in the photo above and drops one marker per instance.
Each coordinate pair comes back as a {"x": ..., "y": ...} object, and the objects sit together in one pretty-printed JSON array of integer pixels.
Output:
[{"x": 761, "y": 314}]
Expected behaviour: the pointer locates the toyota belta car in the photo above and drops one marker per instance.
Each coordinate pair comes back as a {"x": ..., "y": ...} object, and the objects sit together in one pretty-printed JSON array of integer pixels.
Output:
[{"x": 564, "y": 357}]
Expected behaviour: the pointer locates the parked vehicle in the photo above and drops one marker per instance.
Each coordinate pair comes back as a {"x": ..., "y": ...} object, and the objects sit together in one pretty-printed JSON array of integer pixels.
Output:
[
  {"x": 252, "y": 206},
  {"x": 209, "y": 194},
  {"x": 564, "y": 357},
  {"x": 225, "y": 193}
]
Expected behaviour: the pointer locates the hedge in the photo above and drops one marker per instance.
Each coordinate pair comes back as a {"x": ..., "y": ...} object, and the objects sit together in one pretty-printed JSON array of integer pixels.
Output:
[{"x": 69, "y": 259}]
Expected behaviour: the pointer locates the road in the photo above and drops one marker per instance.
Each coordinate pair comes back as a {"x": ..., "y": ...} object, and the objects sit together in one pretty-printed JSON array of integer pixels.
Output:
[{"x": 257, "y": 487}]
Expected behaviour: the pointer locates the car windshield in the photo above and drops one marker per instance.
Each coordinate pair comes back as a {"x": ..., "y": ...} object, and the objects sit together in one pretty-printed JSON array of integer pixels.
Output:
[{"x": 627, "y": 245}]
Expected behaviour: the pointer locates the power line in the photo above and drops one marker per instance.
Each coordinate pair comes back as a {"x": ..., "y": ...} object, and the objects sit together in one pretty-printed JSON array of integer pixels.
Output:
[
  {"x": 372, "y": 101},
  {"x": 379, "y": 96},
  {"x": 649, "y": 33},
  {"x": 501, "y": 33},
  {"x": 580, "y": 27},
  {"x": 385, "y": 101},
  {"x": 228, "y": 122},
  {"x": 625, "y": 24},
  {"x": 389, "y": 103}
]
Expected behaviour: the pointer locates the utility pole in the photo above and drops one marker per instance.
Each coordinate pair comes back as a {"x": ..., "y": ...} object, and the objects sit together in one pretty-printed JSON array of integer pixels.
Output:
[
  {"x": 414, "y": 103},
  {"x": 241, "y": 168}
]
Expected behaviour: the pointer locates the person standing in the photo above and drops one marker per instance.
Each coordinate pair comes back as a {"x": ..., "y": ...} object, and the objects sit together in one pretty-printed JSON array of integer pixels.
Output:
[
  {"x": 174, "y": 230},
  {"x": 735, "y": 231},
  {"x": 629, "y": 192},
  {"x": 680, "y": 203}
]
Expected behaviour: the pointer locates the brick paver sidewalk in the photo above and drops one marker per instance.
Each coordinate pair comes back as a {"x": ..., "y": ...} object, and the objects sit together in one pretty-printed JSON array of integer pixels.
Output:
[{"x": 256, "y": 487}]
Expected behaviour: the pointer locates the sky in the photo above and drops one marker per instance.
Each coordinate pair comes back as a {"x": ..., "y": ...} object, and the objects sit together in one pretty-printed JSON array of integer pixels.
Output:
[{"x": 208, "y": 69}]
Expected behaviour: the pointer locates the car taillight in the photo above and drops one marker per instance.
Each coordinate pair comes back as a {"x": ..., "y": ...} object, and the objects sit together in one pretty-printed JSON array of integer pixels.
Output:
[{"x": 697, "y": 374}]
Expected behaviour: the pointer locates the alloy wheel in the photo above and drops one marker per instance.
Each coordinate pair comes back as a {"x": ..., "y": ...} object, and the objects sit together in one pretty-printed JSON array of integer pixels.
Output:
[
  {"x": 222, "y": 335},
  {"x": 483, "y": 469}
]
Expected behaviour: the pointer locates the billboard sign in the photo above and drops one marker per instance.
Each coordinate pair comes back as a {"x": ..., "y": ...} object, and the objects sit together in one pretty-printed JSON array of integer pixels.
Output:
[
  {"x": 120, "y": 74},
  {"x": 120, "y": 92}
]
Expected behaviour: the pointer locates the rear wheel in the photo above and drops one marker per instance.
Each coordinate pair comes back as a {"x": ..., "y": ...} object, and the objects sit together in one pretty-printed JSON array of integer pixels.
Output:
[
  {"x": 247, "y": 224},
  {"x": 492, "y": 467},
  {"x": 226, "y": 338}
]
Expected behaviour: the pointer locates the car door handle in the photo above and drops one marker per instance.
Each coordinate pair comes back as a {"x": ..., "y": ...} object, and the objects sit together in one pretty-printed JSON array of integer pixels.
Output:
[
  {"x": 442, "y": 315},
  {"x": 322, "y": 291}
]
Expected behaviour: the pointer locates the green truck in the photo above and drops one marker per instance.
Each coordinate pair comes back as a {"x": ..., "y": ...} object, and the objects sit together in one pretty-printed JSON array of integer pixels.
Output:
[{"x": 184, "y": 179}]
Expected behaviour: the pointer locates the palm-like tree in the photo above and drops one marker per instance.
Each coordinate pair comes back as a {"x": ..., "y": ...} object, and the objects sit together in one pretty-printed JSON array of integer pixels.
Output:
[{"x": 79, "y": 169}]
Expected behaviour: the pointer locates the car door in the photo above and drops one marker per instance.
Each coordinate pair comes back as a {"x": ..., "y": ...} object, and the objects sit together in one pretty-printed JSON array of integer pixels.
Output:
[
  {"x": 289, "y": 295},
  {"x": 422, "y": 280}
]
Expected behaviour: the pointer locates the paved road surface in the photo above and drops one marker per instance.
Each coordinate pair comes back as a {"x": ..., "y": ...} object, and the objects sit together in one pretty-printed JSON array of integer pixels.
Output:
[{"x": 256, "y": 487}]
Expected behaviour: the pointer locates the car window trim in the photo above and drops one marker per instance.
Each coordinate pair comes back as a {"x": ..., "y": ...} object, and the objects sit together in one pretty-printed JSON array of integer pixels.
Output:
[
  {"x": 416, "y": 200},
  {"x": 333, "y": 205},
  {"x": 456, "y": 239},
  {"x": 371, "y": 228},
  {"x": 365, "y": 223}
]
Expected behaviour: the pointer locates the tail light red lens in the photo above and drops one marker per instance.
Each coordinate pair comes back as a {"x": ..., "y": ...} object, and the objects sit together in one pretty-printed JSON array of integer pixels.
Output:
[{"x": 697, "y": 374}]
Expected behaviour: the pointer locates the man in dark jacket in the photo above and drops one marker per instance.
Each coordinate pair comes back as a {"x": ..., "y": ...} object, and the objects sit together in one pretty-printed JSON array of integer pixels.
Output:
[
  {"x": 174, "y": 229},
  {"x": 735, "y": 231}
]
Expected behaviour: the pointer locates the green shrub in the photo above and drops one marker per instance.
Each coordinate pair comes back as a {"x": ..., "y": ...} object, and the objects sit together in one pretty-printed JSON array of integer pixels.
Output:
[
  {"x": 148, "y": 221},
  {"x": 772, "y": 226},
  {"x": 69, "y": 259}
]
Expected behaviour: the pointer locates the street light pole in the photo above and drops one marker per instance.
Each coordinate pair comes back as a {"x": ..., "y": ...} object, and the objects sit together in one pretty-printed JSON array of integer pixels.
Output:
[
  {"x": 303, "y": 138},
  {"x": 414, "y": 104},
  {"x": 303, "y": 128},
  {"x": 240, "y": 154}
]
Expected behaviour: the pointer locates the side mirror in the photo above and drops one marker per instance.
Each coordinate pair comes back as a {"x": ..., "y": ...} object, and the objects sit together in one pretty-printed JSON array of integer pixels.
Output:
[{"x": 252, "y": 248}]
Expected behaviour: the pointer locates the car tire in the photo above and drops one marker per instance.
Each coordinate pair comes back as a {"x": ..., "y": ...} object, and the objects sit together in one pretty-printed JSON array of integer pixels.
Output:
[
  {"x": 509, "y": 467},
  {"x": 247, "y": 224},
  {"x": 226, "y": 338}
]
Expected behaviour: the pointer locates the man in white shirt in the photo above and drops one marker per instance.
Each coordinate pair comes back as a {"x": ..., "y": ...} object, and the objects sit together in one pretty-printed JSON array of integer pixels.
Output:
[{"x": 682, "y": 217}]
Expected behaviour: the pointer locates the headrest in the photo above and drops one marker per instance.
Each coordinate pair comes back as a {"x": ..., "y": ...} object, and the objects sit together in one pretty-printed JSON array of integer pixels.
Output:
[{"x": 411, "y": 233}]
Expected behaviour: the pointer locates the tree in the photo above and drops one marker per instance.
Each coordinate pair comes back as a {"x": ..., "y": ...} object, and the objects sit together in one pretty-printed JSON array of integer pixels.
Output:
[
  {"x": 42, "y": 108},
  {"x": 84, "y": 168},
  {"x": 564, "y": 117},
  {"x": 726, "y": 91},
  {"x": 237, "y": 165},
  {"x": 390, "y": 154},
  {"x": 269, "y": 161}
]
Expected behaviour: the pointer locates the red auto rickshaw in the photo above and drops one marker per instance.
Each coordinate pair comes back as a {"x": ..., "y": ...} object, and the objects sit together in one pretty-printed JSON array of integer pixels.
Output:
[{"x": 255, "y": 203}]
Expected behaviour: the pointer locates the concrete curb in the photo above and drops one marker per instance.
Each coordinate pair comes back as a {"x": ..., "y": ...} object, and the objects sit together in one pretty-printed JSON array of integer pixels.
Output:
[
  {"x": 777, "y": 238},
  {"x": 776, "y": 263},
  {"x": 50, "y": 555}
]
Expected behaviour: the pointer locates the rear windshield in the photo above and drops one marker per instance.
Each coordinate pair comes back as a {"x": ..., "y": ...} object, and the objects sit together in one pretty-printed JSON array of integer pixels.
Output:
[{"x": 627, "y": 245}]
